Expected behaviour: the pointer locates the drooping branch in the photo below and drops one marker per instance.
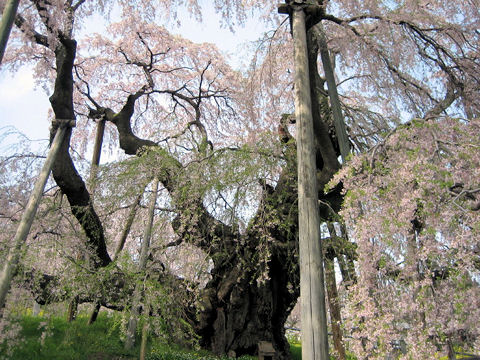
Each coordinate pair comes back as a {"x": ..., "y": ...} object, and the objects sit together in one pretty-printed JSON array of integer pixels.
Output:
[
  {"x": 450, "y": 96},
  {"x": 194, "y": 222},
  {"x": 429, "y": 41}
]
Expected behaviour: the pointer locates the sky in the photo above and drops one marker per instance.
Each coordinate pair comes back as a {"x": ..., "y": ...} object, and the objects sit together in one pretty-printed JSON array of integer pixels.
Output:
[{"x": 25, "y": 107}]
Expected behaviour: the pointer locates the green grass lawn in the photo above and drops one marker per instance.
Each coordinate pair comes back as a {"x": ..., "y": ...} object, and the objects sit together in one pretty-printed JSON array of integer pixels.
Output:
[
  {"x": 62, "y": 340},
  {"x": 79, "y": 341},
  {"x": 101, "y": 341},
  {"x": 296, "y": 350}
]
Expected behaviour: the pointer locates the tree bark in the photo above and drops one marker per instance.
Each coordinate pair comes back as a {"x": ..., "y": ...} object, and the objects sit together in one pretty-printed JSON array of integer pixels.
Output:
[{"x": 64, "y": 171}]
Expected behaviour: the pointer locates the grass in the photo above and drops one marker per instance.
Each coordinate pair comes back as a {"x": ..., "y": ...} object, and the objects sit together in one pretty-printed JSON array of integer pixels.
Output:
[
  {"x": 296, "y": 350},
  {"x": 169, "y": 353},
  {"x": 54, "y": 338}
]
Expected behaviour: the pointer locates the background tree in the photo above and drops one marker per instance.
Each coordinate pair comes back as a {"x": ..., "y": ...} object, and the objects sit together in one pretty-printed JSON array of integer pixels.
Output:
[{"x": 412, "y": 208}]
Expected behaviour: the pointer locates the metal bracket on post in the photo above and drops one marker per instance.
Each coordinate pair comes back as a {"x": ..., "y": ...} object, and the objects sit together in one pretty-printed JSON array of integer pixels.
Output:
[
  {"x": 60, "y": 124},
  {"x": 56, "y": 123},
  {"x": 309, "y": 6},
  {"x": 313, "y": 11}
]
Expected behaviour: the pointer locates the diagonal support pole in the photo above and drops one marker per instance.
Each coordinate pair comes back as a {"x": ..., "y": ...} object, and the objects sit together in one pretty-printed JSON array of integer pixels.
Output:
[
  {"x": 312, "y": 288},
  {"x": 11, "y": 263},
  {"x": 338, "y": 119},
  {"x": 142, "y": 266},
  {"x": 8, "y": 17}
]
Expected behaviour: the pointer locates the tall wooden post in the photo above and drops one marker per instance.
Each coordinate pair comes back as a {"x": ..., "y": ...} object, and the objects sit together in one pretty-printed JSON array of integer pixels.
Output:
[
  {"x": 312, "y": 289},
  {"x": 23, "y": 229},
  {"x": 142, "y": 265},
  {"x": 97, "y": 151},
  {"x": 8, "y": 17},
  {"x": 338, "y": 119}
]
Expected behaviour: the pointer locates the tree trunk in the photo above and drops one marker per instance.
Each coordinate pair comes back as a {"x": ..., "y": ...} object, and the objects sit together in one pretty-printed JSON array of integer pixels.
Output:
[
  {"x": 242, "y": 304},
  {"x": 237, "y": 312}
]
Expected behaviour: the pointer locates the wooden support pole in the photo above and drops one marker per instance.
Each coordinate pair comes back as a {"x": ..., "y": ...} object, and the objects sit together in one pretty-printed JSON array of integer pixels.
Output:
[
  {"x": 97, "y": 151},
  {"x": 312, "y": 289},
  {"x": 142, "y": 265},
  {"x": 338, "y": 119},
  {"x": 128, "y": 226},
  {"x": 8, "y": 17},
  {"x": 23, "y": 229}
]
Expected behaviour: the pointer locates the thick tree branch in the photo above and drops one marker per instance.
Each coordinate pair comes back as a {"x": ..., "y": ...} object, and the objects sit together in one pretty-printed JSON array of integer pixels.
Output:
[
  {"x": 64, "y": 171},
  {"x": 37, "y": 37}
]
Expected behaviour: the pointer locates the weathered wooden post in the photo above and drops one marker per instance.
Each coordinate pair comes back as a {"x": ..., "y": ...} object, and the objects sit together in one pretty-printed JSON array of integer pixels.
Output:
[
  {"x": 23, "y": 229},
  {"x": 338, "y": 119},
  {"x": 312, "y": 290},
  {"x": 8, "y": 17},
  {"x": 97, "y": 151},
  {"x": 142, "y": 265}
]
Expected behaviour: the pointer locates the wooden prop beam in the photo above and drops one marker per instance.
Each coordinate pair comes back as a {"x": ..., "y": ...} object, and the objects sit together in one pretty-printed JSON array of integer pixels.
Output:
[
  {"x": 8, "y": 17},
  {"x": 11, "y": 263},
  {"x": 312, "y": 289}
]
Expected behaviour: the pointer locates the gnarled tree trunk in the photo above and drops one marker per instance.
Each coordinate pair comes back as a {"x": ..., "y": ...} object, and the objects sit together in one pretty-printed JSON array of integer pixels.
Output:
[{"x": 243, "y": 303}]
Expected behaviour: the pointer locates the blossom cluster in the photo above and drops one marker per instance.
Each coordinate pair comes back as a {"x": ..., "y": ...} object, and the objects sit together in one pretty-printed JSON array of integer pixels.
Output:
[{"x": 412, "y": 207}]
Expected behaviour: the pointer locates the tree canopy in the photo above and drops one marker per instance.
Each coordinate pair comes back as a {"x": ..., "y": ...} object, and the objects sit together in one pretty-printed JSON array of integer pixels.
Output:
[{"x": 221, "y": 142}]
